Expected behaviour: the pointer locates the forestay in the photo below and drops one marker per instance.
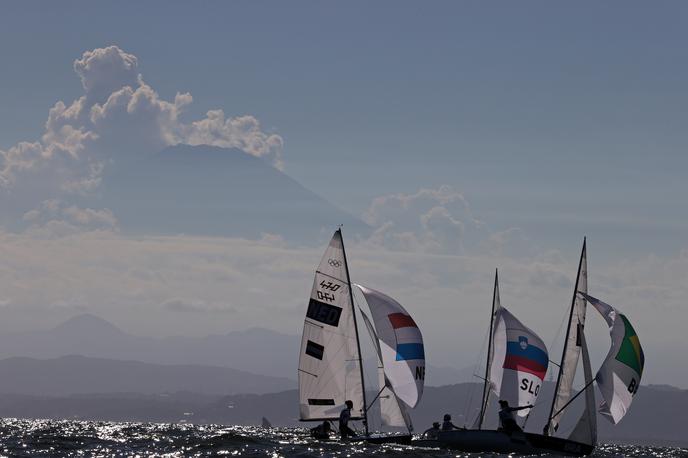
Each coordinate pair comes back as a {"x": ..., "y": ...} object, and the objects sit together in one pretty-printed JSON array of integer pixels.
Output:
[
  {"x": 401, "y": 346},
  {"x": 519, "y": 361},
  {"x": 329, "y": 363},
  {"x": 619, "y": 376}
]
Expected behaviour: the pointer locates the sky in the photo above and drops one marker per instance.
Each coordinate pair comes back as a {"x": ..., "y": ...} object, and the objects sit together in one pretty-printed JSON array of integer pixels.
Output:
[{"x": 469, "y": 135}]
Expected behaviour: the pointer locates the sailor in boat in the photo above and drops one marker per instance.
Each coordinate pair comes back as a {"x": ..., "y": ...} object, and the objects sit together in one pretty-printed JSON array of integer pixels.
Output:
[
  {"x": 344, "y": 417},
  {"x": 432, "y": 433},
  {"x": 506, "y": 417},
  {"x": 447, "y": 424},
  {"x": 322, "y": 431}
]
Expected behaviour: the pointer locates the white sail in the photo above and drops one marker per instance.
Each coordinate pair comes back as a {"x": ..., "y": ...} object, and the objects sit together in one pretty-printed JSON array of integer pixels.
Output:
[
  {"x": 572, "y": 346},
  {"x": 401, "y": 346},
  {"x": 329, "y": 362},
  {"x": 586, "y": 428},
  {"x": 619, "y": 376},
  {"x": 493, "y": 375},
  {"x": 519, "y": 362},
  {"x": 393, "y": 412}
]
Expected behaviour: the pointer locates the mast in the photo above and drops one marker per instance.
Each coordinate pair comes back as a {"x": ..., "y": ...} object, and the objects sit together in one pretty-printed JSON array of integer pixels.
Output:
[
  {"x": 486, "y": 393},
  {"x": 358, "y": 341},
  {"x": 566, "y": 341}
]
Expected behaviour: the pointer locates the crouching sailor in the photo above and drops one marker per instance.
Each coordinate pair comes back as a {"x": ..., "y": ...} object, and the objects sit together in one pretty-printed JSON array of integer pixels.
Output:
[{"x": 322, "y": 431}]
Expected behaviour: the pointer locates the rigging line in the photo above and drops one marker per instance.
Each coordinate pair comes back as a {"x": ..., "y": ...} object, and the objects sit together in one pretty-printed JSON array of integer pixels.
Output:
[
  {"x": 377, "y": 396},
  {"x": 572, "y": 399}
]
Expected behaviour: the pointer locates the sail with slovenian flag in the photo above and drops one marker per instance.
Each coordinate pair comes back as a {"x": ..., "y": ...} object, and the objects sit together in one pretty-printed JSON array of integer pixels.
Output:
[{"x": 519, "y": 362}]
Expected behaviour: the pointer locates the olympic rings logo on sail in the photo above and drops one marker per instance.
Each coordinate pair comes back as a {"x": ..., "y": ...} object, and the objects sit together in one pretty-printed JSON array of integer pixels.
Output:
[{"x": 334, "y": 262}]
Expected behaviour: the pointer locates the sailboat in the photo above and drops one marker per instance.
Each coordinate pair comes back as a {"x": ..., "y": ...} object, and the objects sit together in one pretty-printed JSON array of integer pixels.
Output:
[
  {"x": 330, "y": 362},
  {"x": 618, "y": 380}
]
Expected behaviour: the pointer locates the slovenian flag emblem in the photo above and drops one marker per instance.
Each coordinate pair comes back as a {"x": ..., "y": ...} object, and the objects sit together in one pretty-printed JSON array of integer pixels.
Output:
[
  {"x": 524, "y": 357},
  {"x": 408, "y": 337}
]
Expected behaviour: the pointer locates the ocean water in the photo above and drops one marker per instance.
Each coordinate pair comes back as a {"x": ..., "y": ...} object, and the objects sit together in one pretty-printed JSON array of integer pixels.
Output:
[{"x": 46, "y": 438}]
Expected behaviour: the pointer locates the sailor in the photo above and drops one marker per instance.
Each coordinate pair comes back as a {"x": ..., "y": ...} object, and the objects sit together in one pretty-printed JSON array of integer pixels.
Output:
[
  {"x": 344, "y": 418},
  {"x": 322, "y": 431},
  {"x": 447, "y": 424},
  {"x": 506, "y": 417},
  {"x": 432, "y": 433}
]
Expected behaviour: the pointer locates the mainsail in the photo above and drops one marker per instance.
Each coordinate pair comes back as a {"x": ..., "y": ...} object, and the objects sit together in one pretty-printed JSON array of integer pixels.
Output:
[
  {"x": 572, "y": 347},
  {"x": 519, "y": 363},
  {"x": 619, "y": 377},
  {"x": 401, "y": 346},
  {"x": 329, "y": 362},
  {"x": 488, "y": 386}
]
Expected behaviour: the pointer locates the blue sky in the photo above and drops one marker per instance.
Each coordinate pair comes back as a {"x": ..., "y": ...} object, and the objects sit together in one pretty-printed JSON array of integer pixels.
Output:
[
  {"x": 561, "y": 119},
  {"x": 558, "y": 119}
]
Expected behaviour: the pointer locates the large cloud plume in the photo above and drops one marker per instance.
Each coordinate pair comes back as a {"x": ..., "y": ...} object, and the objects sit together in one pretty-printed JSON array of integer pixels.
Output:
[{"x": 118, "y": 115}]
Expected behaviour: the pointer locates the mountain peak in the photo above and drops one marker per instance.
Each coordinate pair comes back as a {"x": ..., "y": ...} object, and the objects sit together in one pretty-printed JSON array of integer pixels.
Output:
[
  {"x": 212, "y": 191},
  {"x": 87, "y": 322}
]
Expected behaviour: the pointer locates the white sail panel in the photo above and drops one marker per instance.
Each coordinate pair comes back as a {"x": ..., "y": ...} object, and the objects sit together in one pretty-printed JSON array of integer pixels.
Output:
[
  {"x": 586, "y": 428},
  {"x": 572, "y": 346},
  {"x": 523, "y": 359},
  {"x": 401, "y": 345},
  {"x": 393, "y": 412},
  {"x": 329, "y": 363},
  {"x": 620, "y": 373}
]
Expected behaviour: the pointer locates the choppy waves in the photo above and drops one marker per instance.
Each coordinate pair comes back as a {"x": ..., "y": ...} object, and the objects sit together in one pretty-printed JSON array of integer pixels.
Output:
[{"x": 46, "y": 438}]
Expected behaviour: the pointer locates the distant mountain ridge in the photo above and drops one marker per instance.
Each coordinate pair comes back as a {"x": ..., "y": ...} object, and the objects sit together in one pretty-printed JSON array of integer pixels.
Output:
[
  {"x": 91, "y": 336},
  {"x": 79, "y": 375},
  {"x": 255, "y": 350}
]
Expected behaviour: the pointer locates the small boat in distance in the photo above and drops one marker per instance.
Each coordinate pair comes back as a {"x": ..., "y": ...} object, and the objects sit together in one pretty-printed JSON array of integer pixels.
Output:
[
  {"x": 618, "y": 380},
  {"x": 330, "y": 363},
  {"x": 266, "y": 423}
]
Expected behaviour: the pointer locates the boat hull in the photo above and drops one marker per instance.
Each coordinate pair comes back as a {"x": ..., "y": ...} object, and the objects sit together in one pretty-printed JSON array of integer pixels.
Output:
[
  {"x": 473, "y": 440},
  {"x": 404, "y": 439}
]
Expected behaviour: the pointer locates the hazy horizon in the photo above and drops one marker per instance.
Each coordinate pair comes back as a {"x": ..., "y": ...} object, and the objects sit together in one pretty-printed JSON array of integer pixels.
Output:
[{"x": 450, "y": 139}]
